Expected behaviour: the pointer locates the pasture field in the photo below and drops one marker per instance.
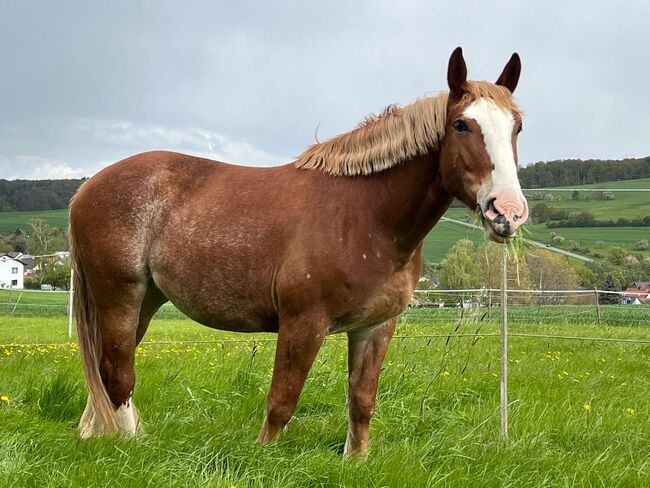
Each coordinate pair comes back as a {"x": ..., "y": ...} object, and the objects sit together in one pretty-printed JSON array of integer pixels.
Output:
[
  {"x": 625, "y": 204},
  {"x": 598, "y": 239},
  {"x": 10, "y": 221},
  {"x": 579, "y": 414}
]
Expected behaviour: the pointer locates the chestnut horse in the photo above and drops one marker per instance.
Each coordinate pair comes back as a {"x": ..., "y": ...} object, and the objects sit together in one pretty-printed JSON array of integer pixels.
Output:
[{"x": 329, "y": 243}]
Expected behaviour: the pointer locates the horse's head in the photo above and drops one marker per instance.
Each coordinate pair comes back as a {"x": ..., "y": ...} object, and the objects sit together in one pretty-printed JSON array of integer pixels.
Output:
[{"x": 478, "y": 159}]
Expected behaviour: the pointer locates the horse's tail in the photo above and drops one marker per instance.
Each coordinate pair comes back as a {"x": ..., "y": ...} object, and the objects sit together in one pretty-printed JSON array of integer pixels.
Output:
[{"x": 90, "y": 339}]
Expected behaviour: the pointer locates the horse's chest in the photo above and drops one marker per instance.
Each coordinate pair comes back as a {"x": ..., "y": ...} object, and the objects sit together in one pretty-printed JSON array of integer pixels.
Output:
[{"x": 383, "y": 303}]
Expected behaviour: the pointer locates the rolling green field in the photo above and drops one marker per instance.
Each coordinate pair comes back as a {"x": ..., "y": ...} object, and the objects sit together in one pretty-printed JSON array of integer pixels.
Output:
[
  {"x": 579, "y": 413},
  {"x": 10, "y": 221},
  {"x": 625, "y": 204}
]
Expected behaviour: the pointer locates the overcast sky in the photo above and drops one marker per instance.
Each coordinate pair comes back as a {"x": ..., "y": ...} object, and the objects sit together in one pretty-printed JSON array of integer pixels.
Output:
[{"x": 84, "y": 84}]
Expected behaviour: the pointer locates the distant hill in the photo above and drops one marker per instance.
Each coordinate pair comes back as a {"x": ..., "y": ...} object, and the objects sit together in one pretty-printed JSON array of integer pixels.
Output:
[
  {"x": 568, "y": 172},
  {"x": 36, "y": 195}
]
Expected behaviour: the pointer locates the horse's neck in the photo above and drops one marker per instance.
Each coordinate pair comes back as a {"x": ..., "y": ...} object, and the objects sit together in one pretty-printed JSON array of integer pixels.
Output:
[{"x": 410, "y": 200}]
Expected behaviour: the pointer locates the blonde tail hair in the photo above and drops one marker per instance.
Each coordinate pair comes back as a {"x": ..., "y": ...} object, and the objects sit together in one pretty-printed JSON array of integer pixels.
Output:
[{"x": 90, "y": 342}]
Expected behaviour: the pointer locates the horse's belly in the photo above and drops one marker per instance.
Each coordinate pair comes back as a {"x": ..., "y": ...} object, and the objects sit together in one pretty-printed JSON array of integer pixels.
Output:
[{"x": 227, "y": 304}]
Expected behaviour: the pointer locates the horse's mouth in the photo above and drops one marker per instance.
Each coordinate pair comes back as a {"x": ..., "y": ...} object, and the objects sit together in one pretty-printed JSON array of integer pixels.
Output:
[{"x": 494, "y": 234}]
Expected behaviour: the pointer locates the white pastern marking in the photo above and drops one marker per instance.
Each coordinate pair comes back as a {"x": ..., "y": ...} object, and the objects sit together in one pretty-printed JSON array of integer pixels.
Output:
[
  {"x": 126, "y": 417},
  {"x": 496, "y": 125}
]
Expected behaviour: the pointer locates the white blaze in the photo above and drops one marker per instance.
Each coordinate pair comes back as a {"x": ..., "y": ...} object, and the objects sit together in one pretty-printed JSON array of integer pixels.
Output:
[{"x": 496, "y": 126}]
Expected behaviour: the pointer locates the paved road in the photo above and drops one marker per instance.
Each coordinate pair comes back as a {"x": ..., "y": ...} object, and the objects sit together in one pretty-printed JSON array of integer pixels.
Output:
[{"x": 534, "y": 243}]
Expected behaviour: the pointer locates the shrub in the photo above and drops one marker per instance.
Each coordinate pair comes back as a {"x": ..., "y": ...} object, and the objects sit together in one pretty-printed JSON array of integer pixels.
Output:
[
  {"x": 32, "y": 283},
  {"x": 641, "y": 245}
]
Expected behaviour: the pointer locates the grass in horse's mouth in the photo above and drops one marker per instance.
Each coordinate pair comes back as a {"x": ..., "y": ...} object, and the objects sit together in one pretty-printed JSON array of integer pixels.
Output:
[{"x": 515, "y": 245}]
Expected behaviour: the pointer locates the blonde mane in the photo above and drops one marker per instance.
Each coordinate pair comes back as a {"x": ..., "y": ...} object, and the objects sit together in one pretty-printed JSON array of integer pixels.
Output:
[{"x": 394, "y": 136}]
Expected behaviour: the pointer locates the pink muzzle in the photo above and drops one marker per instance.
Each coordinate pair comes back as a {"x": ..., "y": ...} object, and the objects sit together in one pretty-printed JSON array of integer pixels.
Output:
[{"x": 506, "y": 212}]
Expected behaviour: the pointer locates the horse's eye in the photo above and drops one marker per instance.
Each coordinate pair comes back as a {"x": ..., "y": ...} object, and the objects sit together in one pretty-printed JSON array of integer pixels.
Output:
[
  {"x": 460, "y": 126},
  {"x": 520, "y": 128}
]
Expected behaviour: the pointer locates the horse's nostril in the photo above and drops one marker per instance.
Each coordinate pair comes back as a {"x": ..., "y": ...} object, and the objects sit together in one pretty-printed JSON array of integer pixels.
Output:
[{"x": 489, "y": 205}]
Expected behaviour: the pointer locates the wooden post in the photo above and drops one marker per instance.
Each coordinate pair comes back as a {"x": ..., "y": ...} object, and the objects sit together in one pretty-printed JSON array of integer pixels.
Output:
[
  {"x": 70, "y": 302},
  {"x": 597, "y": 306},
  {"x": 489, "y": 303},
  {"x": 504, "y": 348}
]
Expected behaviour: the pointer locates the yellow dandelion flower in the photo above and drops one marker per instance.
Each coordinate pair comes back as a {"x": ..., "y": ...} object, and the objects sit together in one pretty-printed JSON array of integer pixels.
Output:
[
  {"x": 587, "y": 407},
  {"x": 445, "y": 373},
  {"x": 4, "y": 398},
  {"x": 630, "y": 411}
]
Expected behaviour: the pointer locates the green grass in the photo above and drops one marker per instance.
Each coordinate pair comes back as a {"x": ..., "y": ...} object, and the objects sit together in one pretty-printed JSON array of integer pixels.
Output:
[
  {"x": 598, "y": 239},
  {"x": 444, "y": 235},
  {"x": 10, "y": 221},
  {"x": 34, "y": 297},
  {"x": 580, "y": 413}
]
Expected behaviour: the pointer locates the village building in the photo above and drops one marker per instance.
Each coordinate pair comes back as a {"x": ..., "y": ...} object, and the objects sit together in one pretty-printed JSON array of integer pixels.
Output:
[{"x": 638, "y": 293}]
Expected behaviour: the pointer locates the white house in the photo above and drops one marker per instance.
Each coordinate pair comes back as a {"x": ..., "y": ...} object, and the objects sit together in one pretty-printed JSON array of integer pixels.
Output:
[{"x": 12, "y": 271}]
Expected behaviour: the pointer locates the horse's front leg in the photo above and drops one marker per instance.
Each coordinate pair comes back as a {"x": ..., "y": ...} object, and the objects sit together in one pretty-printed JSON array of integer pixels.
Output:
[
  {"x": 366, "y": 351},
  {"x": 299, "y": 339}
]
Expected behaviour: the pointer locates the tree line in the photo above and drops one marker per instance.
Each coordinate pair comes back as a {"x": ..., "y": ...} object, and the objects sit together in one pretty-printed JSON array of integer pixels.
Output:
[
  {"x": 566, "y": 172},
  {"x": 33, "y": 195}
]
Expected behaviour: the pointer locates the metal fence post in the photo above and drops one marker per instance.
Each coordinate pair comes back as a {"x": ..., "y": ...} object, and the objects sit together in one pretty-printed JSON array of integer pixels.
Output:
[{"x": 504, "y": 348}]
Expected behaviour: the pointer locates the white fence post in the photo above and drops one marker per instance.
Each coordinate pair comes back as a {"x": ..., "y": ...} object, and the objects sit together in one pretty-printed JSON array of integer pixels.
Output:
[
  {"x": 70, "y": 302},
  {"x": 504, "y": 347}
]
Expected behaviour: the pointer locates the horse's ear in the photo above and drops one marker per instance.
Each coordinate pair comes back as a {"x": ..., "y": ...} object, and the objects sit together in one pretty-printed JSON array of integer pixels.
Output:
[
  {"x": 510, "y": 76},
  {"x": 457, "y": 72}
]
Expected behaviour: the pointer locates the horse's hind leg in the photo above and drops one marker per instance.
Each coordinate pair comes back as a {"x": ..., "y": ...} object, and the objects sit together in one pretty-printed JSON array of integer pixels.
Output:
[
  {"x": 366, "y": 352},
  {"x": 118, "y": 320}
]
